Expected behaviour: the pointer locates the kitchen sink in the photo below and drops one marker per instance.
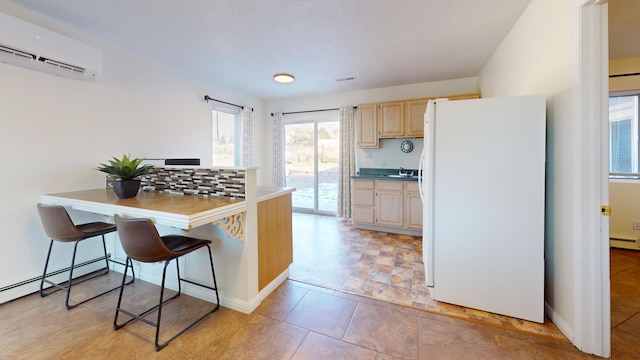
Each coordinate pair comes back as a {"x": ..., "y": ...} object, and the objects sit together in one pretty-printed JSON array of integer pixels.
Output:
[{"x": 397, "y": 176}]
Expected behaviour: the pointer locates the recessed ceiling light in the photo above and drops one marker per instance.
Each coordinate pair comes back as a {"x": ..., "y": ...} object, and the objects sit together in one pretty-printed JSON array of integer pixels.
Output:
[{"x": 283, "y": 78}]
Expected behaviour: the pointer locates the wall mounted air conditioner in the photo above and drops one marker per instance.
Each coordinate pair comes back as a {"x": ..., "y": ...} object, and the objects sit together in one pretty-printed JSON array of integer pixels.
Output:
[{"x": 27, "y": 45}]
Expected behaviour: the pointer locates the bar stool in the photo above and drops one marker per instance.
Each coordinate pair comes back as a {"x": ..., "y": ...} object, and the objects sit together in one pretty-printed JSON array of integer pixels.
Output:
[
  {"x": 58, "y": 226},
  {"x": 141, "y": 242}
]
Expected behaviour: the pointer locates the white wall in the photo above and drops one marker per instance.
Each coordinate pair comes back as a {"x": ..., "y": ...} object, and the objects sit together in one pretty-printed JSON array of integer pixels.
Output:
[
  {"x": 54, "y": 131},
  {"x": 389, "y": 152},
  {"x": 624, "y": 196},
  {"x": 537, "y": 58}
]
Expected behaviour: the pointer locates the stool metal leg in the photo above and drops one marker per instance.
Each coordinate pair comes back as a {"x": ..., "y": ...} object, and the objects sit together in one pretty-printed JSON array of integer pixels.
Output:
[
  {"x": 44, "y": 273},
  {"x": 69, "y": 282},
  {"x": 159, "y": 346}
]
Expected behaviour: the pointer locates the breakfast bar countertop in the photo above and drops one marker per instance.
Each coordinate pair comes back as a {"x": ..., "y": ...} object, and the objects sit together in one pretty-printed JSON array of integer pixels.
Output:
[
  {"x": 181, "y": 211},
  {"x": 270, "y": 192}
]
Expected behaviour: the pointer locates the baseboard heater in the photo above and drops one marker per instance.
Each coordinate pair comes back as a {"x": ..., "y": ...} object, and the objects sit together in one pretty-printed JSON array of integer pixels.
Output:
[
  {"x": 57, "y": 272},
  {"x": 624, "y": 243}
]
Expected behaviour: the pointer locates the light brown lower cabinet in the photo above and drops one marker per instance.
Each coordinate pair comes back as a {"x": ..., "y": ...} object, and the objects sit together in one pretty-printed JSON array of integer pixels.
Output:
[
  {"x": 275, "y": 238},
  {"x": 387, "y": 205}
]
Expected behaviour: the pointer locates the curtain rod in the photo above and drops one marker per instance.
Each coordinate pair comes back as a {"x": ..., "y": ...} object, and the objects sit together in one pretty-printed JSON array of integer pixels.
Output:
[
  {"x": 310, "y": 111},
  {"x": 621, "y": 75},
  {"x": 207, "y": 98}
]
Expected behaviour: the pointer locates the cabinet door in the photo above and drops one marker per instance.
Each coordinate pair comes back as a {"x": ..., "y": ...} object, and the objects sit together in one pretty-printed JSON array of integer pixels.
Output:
[
  {"x": 363, "y": 215},
  {"x": 413, "y": 211},
  {"x": 391, "y": 115},
  {"x": 464, "y": 96},
  {"x": 389, "y": 208},
  {"x": 414, "y": 117},
  {"x": 363, "y": 202},
  {"x": 367, "y": 126}
]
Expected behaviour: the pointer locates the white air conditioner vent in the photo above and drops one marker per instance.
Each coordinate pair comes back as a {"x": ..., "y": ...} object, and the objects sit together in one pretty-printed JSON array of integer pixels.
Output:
[
  {"x": 19, "y": 55},
  {"x": 56, "y": 65},
  {"x": 27, "y": 45}
]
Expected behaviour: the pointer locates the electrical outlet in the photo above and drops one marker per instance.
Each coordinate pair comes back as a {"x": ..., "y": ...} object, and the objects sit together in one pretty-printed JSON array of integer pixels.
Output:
[
  {"x": 384, "y": 163},
  {"x": 636, "y": 225}
]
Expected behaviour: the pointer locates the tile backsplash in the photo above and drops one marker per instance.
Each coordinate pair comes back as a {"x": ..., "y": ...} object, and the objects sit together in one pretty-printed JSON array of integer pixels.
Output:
[{"x": 195, "y": 181}]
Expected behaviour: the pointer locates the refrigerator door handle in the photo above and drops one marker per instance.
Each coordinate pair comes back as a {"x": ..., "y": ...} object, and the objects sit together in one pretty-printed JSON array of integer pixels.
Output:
[
  {"x": 428, "y": 246},
  {"x": 420, "y": 180}
]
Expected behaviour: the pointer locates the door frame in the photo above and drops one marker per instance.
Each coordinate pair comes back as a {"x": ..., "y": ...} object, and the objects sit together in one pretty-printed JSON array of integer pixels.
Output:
[{"x": 592, "y": 311}]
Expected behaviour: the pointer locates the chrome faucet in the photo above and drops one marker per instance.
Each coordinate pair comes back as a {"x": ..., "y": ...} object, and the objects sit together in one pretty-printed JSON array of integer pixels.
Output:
[{"x": 403, "y": 172}]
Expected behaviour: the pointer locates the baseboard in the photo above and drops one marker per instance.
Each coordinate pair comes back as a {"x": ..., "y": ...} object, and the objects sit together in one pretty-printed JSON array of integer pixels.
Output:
[
  {"x": 388, "y": 229},
  {"x": 28, "y": 287},
  {"x": 621, "y": 243},
  {"x": 564, "y": 328},
  {"x": 273, "y": 285},
  {"x": 246, "y": 307}
]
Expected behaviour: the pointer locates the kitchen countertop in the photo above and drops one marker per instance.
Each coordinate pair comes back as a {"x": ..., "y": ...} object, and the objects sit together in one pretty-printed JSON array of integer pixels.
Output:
[
  {"x": 384, "y": 174},
  {"x": 269, "y": 192}
]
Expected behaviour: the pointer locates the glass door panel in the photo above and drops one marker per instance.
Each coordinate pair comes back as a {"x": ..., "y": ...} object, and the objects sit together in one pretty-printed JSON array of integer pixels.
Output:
[
  {"x": 300, "y": 163},
  {"x": 328, "y": 136},
  {"x": 311, "y": 164}
]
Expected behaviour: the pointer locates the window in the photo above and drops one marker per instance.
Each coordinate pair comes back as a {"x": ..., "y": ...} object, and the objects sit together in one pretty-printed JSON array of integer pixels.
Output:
[
  {"x": 623, "y": 134},
  {"x": 225, "y": 128}
]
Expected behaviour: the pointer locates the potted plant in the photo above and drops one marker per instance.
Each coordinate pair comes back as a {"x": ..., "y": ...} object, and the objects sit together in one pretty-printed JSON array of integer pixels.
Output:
[{"x": 126, "y": 170}]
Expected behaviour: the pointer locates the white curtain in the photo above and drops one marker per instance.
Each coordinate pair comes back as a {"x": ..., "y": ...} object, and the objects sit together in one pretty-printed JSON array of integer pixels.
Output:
[
  {"x": 278, "y": 150},
  {"x": 347, "y": 161},
  {"x": 246, "y": 137}
]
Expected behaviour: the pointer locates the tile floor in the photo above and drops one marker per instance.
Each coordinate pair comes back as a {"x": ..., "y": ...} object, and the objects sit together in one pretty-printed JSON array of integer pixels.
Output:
[
  {"x": 297, "y": 321},
  {"x": 388, "y": 267}
]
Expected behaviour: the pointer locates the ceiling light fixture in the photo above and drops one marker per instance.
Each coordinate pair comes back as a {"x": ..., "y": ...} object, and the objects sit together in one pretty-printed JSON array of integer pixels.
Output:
[{"x": 283, "y": 78}]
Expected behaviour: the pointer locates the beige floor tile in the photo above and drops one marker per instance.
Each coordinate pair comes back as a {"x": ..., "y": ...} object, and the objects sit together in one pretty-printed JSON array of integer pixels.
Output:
[
  {"x": 281, "y": 301},
  {"x": 259, "y": 338},
  {"x": 322, "y": 313},
  {"x": 441, "y": 340},
  {"x": 383, "y": 330},
  {"x": 316, "y": 346}
]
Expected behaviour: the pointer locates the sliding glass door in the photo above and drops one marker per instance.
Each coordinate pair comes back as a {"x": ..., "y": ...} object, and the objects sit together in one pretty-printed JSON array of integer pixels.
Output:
[{"x": 311, "y": 156}]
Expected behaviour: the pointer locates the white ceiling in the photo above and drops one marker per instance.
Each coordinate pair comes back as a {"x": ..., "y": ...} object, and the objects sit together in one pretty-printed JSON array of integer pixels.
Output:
[{"x": 243, "y": 43}]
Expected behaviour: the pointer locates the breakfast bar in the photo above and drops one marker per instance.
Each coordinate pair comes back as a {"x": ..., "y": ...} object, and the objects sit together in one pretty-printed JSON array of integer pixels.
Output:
[{"x": 250, "y": 233}]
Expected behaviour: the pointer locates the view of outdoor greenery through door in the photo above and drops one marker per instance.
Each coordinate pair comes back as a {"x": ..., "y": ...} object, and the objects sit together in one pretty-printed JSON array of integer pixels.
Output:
[{"x": 311, "y": 156}]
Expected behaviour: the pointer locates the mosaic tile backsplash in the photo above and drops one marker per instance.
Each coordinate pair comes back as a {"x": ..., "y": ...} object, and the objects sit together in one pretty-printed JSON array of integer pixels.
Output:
[{"x": 195, "y": 181}]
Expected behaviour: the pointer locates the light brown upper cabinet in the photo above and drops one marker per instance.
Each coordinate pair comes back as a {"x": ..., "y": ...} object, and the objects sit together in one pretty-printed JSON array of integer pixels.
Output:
[
  {"x": 395, "y": 119},
  {"x": 415, "y": 109},
  {"x": 414, "y": 122},
  {"x": 391, "y": 115},
  {"x": 367, "y": 126}
]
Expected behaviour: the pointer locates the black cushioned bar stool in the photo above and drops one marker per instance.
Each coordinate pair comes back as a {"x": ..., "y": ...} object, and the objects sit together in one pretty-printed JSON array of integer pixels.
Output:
[
  {"x": 58, "y": 226},
  {"x": 141, "y": 242}
]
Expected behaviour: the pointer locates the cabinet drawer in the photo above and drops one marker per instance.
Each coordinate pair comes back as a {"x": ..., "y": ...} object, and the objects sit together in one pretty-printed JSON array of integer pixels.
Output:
[
  {"x": 363, "y": 184},
  {"x": 411, "y": 186},
  {"x": 363, "y": 197},
  {"x": 389, "y": 185}
]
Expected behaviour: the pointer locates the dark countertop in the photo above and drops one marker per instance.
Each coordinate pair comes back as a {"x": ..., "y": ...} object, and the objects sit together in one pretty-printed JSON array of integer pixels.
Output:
[{"x": 383, "y": 174}]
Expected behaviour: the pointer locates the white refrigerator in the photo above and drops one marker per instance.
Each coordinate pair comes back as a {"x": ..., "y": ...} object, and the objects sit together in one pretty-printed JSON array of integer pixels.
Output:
[{"x": 483, "y": 188}]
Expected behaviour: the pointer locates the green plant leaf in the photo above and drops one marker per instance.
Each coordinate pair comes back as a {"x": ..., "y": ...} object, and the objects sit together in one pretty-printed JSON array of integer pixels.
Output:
[{"x": 126, "y": 168}]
